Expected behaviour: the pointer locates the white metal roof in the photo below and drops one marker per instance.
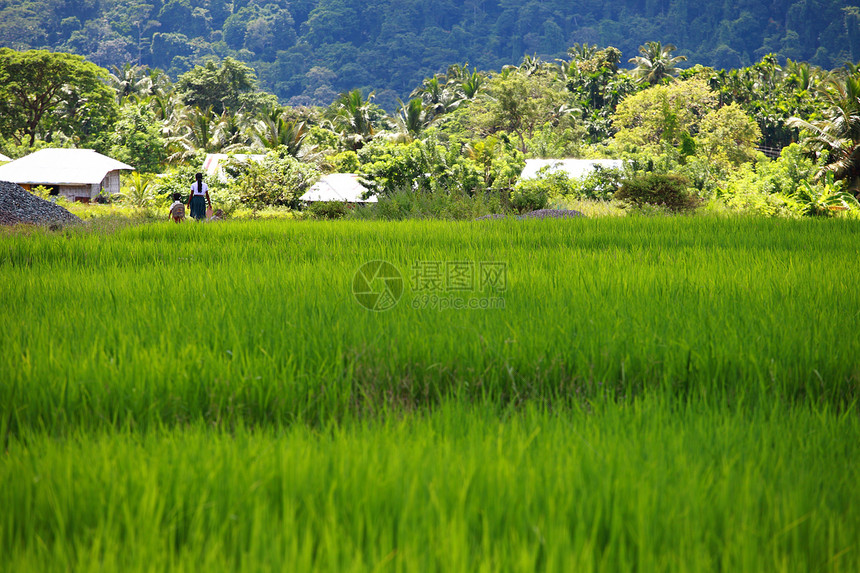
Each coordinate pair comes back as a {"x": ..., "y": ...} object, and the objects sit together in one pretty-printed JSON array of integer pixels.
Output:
[
  {"x": 575, "y": 168},
  {"x": 4, "y": 158},
  {"x": 61, "y": 167},
  {"x": 213, "y": 165},
  {"x": 338, "y": 187}
]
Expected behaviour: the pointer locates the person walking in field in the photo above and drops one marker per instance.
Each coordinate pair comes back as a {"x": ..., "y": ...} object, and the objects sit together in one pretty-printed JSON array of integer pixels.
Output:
[
  {"x": 199, "y": 199},
  {"x": 177, "y": 210}
]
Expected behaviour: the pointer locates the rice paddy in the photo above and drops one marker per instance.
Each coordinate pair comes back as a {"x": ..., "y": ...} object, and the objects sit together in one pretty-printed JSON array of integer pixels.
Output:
[{"x": 616, "y": 394}]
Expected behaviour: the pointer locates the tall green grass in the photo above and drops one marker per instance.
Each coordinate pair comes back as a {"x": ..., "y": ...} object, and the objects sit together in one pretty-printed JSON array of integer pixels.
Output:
[
  {"x": 640, "y": 487},
  {"x": 255, "y": 321},
  {"x": 667, "y": 394}
]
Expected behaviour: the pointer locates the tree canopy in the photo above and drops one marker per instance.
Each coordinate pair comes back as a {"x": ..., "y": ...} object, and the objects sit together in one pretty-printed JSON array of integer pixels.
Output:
[
  {"x": 43, "y": 93},
  {"x": 312, "y": 50}
]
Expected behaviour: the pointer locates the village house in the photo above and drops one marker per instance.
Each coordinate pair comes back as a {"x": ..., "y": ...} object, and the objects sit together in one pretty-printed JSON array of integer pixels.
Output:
[
  {"x": 343, "y": 187},
  {"x": 574, "y": 168},
  {"x": 76, "y": 174}
]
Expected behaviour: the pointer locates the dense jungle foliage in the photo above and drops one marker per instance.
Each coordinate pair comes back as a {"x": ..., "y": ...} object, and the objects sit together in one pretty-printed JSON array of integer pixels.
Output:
[
  {"x": 308, "y": 51},
  {"x": 775, "y": 138}
]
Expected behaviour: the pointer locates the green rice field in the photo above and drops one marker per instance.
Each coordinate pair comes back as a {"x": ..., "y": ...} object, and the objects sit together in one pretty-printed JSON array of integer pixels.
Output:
[{"x": 616, "y": 394}]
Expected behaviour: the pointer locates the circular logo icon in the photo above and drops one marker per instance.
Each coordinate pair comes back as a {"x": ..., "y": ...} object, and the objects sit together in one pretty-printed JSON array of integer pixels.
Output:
[{"x": 377, "y": 285}]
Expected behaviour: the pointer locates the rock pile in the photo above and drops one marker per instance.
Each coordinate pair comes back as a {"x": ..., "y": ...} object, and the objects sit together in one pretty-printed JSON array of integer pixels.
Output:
[
  {"x": 539, "y": 214},
  {"x": 552, "y": 214},
  {"x": 20, "y": 206}
]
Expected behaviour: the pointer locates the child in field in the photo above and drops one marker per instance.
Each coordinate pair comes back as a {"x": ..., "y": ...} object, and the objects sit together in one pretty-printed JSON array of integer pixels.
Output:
[{"x": 177, "y": 210}]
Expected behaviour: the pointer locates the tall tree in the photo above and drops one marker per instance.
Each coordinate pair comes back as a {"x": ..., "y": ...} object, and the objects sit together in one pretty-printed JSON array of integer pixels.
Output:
[
  {"x": 655, "y": 63},
  {"x": 411, "y": 117},
  {"x": 221, "y": 87},
  {"x": 274, "y": 129},
  {"x": 520, "y": 103},
  {"x": 45, "y": 93},
  {"x": 837, "y": 135},
  {"x": 353, "y": 117},
  {"x": 129, "y": 81}
]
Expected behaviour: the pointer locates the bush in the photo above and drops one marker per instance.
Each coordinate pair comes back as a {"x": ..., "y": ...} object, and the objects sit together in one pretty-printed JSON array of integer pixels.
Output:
[
  {"x": 530, "y": 196},
  {"x": 278, "y": 181},
  {"x": 669, "y": 191},
  {"x": 345, "y": 162},
  {"x": 600, "y": 183},
  {"x": 409, "y": 204},
  {"x": 328, "y": 209}
]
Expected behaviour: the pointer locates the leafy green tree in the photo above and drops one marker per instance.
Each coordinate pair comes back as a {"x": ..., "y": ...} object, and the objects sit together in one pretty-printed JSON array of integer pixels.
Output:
[
  {"x": 728, "y": 136},
  {"x": 45, "y": 93},
  {"x": 229, "y": 86},
  {"x": 593, "y": 77},
  {"x": 771, "y": 94},
  {"x": 521, "y": 103},
  {"x": 837, "y": 135},
  {"x": 655, "y": 63},
  {"x": 279, "y": 180},
  {"x": 661, "y": 114},
  {"x": 137, "y": 139}
]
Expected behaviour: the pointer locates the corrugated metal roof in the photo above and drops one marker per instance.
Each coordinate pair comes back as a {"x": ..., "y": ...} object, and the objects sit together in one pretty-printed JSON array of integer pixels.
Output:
[
  {"x": 61, "y": 167},
  {"x": 575, "y": 168},
  {"x": 213, "y": 165},
  {"x": 338, "y": 187}
]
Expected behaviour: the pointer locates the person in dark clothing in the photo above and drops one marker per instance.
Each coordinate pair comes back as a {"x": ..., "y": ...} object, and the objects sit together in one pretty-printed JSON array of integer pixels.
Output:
[{"x": 199, "y": 199}]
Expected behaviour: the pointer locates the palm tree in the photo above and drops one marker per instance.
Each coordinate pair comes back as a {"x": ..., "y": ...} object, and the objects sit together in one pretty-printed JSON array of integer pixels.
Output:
[
  {"x": 140, "y": 190},
  {"x": 351, "y": 115},
  {"x": 484, "y": 153},
  {"x": 837, "y": 135},
  {"x": 129, "y": 81},
  {"x": 275, "y": 130},
  {"x": 201, "y": 130},
  {"x": 472, "y": 84},
  {"x": 233, "y": 130},
  {"x": 656, "y": 63},
  {"x": 411, "y": 118}
]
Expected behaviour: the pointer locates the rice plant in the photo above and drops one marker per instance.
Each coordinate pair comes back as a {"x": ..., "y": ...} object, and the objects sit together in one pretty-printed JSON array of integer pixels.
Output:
[{"x": 657, "y": 394}]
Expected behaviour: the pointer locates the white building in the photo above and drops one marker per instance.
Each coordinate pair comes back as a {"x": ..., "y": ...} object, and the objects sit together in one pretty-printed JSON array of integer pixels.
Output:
[
  {"x": 575, "y": 168},
  {"x": 213, "y": 165},
  {"x": 76, "y": 174},
  {"x": 343, "y": 187}
]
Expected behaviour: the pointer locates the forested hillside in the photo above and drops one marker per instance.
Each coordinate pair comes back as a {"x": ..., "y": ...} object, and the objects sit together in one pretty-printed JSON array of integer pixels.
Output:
[{"x": 307, "y": 51}]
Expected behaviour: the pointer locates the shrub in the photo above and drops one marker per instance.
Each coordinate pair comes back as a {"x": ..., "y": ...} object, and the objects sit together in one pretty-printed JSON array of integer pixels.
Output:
[
  {"x": 600, "y": 183},
  {"x": 530, "y": 195},
  {"x": 278, "y": 181},
  {"x": 409, "y": 204},
  {"x": 345, "y": 162},
  {"x": 667, "y": 190},
  {"x": 328, "y": 209}
]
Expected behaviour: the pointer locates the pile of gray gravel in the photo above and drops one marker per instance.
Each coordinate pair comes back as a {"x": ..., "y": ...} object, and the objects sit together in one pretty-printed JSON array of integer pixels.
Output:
[
  {"x": 20, "y": 206},
  {"x": 552, "y": 214},
  {"x": 539, "y": 214}
]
